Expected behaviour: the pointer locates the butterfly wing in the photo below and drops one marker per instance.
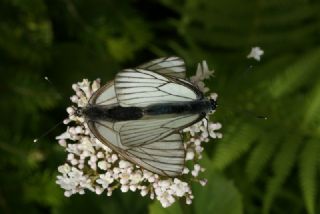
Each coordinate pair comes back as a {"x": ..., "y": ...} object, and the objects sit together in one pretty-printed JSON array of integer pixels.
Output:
[
  {"x": 170, "y": 66},
  {"x": 143, "y": 132},
  {"x": 106, "y": 95},
  {"x": 165, "y": 157},
  {"x": 154, "y": 144},
  {"x": 140, "y": 88}
]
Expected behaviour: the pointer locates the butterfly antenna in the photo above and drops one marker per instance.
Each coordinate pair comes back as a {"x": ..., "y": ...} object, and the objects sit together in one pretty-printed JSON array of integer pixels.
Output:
[
  {"x": 47, "y": 132},
  {"x": 250, "y": 114},
  {"x": 253, "y": 114},
  {"x": 46, "y": 78},
  {"x": 262, "y": 117}
]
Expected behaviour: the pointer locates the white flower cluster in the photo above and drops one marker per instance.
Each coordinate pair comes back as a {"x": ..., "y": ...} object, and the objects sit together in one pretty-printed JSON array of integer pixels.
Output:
[
  {"x": 255, "y": 53},
  {"x": 93, "y": 166},
  {"x": 199, "y": 133},
  {"x": 202, "y": 73}
]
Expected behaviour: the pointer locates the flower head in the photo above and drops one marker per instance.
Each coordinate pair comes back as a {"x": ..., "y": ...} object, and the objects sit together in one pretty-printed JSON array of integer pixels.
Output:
[
  {"x": 93, "y": 166},
  {"x": 256, "y": 53}
]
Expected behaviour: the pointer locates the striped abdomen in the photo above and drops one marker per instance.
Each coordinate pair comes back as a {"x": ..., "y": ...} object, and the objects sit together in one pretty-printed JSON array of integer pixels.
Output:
[{"x": 193, "y": 107}]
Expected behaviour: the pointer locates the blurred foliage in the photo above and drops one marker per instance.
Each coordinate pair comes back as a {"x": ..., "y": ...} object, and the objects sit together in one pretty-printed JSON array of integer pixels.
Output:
[{"x": 260, "y": 166}]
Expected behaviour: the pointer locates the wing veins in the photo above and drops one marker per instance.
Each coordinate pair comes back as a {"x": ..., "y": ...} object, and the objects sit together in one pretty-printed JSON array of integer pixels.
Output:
[
  {"x": 161, "y": 170},
  {"x": 151, "y": 155},
  {"x": 165, "y": 59},
  {"x": 167, "y": 68},
  {"x": 133, "y": 98},
  {"x": 106, "y": 100},
  {"x": 153, "y": 160},
  {"x": 155, "y": 63}
]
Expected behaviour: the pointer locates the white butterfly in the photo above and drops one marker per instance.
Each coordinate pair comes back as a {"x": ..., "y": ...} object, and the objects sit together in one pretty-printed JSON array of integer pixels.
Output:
[{"x": 140, "y": 113}]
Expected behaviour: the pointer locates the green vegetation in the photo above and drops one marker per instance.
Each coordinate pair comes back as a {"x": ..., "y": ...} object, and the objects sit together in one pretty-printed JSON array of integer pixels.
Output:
[{"x": 260, "y": 166}]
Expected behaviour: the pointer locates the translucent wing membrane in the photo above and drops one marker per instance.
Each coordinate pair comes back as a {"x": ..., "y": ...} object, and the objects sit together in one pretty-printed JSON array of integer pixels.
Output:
[
  {"x": 171, "y": 66},
  {"x": 153, "y": 144},
  {"x": 106, "y": 95},
  {"x": 145, "y": 131},
  {"x": 153, "y": 157},
  {"x": 164, "y": 157},
  {"x": 140, "y": 88}
]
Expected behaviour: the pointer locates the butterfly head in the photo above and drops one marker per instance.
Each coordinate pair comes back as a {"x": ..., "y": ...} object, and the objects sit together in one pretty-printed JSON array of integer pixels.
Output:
[
  {"x": 213, "y": 104},
  {"x": 79, "y": 112}
]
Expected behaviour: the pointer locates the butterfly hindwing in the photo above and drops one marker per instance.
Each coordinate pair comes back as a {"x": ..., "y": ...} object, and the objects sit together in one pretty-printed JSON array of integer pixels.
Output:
[
  {"x": 145, "y": 131},
  {"x": 165, "y": 156},
  {"x": 153, "y": 144}
]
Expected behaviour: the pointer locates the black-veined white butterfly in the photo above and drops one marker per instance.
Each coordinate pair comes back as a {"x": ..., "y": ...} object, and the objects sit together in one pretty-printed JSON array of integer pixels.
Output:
[{"x": 140, "y": 113}]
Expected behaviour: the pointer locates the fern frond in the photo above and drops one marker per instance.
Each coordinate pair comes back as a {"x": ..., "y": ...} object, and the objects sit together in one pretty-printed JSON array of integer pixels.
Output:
[
  {"x": 260, "y": 156},
  {"x": 282, "y": 166},
  {"x": 234, "y": 145},
  {"x": 254, "y": 24},
  {"x": 294, "y": 15},
  {"x": 312, "y": 110},
  {"x": 307, "y": 173},
  {"x": 296, "y": 74}
]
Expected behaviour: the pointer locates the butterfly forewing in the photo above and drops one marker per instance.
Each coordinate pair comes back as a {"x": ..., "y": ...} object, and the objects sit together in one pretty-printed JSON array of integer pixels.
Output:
[
  {"x": 170, "y": 66},
  {"x": 106, "y": 95},
  {"x": 140, "y": 88}
]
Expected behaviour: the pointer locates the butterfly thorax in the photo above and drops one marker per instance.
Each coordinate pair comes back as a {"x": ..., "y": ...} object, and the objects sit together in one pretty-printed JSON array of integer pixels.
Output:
[{"x": 115, "y": 113}]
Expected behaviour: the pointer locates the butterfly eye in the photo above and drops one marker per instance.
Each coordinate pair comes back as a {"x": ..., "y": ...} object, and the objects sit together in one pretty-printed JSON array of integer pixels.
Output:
[
  {"x": 79, "y": 111},
  {"x": 213, "y": 104}
]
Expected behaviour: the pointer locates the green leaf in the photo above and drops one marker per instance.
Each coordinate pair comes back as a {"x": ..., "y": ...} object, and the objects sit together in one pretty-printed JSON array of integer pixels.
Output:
[
  {"x": 156, "y": 208},
  {"x": 234, "y": 145},
  {"x": 307, "y": 172},
  {"x": 282, "y": 166},
  {"x": 43, "y": 189},
  {"x": 312, "y": 110},
  {"x": 296, "y": 74},
  {"x": 260, "y": 156},
  {"x": 219, "y": 196}
]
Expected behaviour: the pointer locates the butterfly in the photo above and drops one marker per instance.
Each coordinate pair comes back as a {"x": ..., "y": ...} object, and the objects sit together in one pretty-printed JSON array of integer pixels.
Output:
[{"x": 141, "y": 112}]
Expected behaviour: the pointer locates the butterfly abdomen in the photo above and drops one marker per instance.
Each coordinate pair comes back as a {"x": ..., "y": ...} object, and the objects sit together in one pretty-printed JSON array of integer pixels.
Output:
[
  {"x": 116, "y": 113},
  {"x": 193, "y": 107}
]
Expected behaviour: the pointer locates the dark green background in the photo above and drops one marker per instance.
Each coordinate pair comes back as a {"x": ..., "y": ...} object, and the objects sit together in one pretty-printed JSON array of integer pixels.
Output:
[{"x": 260, "y": 166}]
